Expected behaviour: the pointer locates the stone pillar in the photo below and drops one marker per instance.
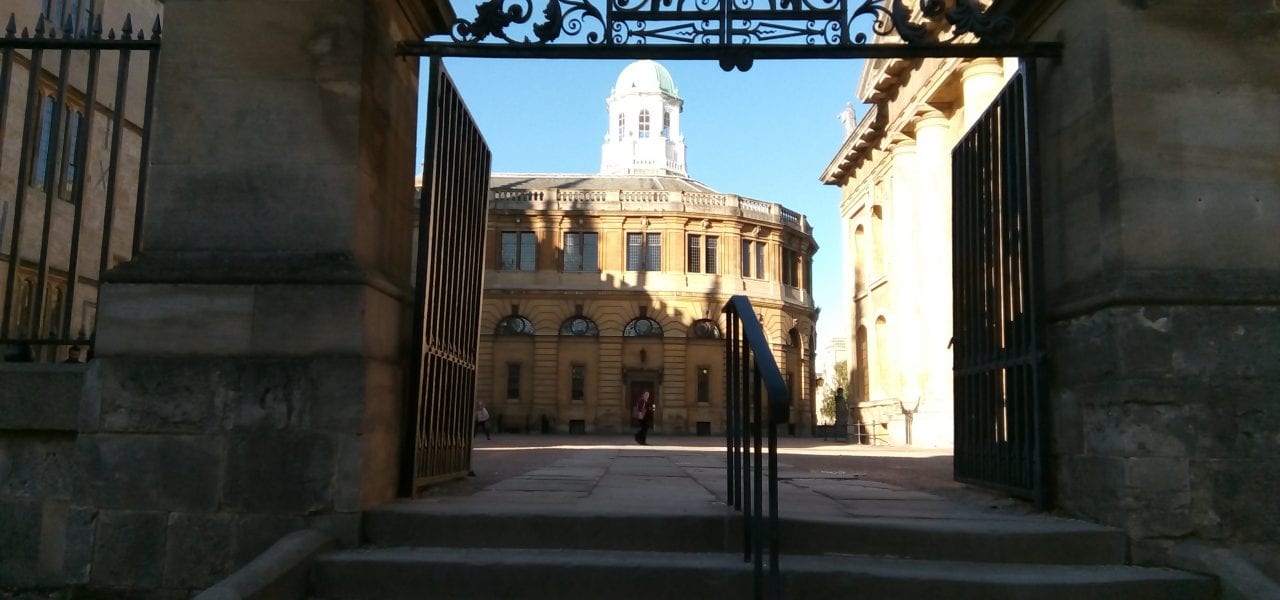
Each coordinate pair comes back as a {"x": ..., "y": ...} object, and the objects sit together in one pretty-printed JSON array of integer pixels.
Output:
[
  {"x": 981, "y": 79},
  {"x": 903, "y": 257},
  {"x": 247, "y": 377},
  {"x": 933, "y": 423},
  {"x": 1160, "y": 187}
]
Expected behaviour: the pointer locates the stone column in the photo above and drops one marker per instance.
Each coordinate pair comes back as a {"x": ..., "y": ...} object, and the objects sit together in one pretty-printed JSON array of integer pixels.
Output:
[
  {"x": 933, "y": 399},
  {"x": 247, "y": 377},
  {"x": 981, "y": 79},
  {"x": 902, "y": 257}
]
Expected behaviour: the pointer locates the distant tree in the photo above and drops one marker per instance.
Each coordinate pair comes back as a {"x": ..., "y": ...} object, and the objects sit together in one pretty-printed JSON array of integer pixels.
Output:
[{"x": 838, "y": 377}]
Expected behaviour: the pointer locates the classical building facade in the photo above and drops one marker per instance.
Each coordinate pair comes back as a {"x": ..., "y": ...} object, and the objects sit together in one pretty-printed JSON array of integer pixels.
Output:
[
  {"x": 894, "y": 173},
  {"x": 599, "y": 287},
  {"x": 1159, "y": 249},
  {"x": 68, "y": 178}
]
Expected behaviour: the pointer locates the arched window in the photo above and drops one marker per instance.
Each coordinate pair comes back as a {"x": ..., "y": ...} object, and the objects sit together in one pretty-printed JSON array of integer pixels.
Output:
[
  {"x": 877, "y": 239},
  {"x": 644, "y": 124},
  {"x": 579, "y": 326},
  {"x": 622, "y": 126},
  {"x": 666, "y": 123},
  {"x": 859, "y": 260},
  {"x": 514, "y": 325},
  {"x": 643, "y": 327},
  {"x": 705, "y": 329}
]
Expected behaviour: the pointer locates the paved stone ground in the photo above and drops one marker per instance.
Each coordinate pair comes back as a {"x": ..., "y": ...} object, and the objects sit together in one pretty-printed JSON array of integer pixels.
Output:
[
  {"x": 928, "y": 471},
  {"x": 601, "y": 473}
]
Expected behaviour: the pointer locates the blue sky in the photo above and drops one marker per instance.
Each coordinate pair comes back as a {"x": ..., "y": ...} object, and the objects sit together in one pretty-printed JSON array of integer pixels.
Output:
[{"x": 767, "y": 133}]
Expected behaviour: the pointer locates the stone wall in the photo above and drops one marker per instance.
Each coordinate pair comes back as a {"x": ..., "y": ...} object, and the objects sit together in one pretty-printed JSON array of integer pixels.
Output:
[
  {"x": 247, "y": 376},
  {"x": 1160, "y": 143},
  {"x": 38, "y": 404}
]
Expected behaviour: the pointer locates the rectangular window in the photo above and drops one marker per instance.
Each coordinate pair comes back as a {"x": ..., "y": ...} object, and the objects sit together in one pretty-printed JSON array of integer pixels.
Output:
[
  {"x": 759, "y": 260},
  {"x": 644, "y": 251},
  {"x": 513, "y": 381},
  {"x": 81, "y": 13},
  {"x": 581, "y": 251},
  {"x": 518, "y": 251},
  {"x": 746, "y": 258},
  {"x": 635, "y": 243},
  {"x": 578, "y": 383},
  {"x": 69, "y": 151},
  {"x": 790, "y": 267},
  {"x": 704, "y": 385},
  {"x": 44, "y": 137},
  {"x": 702, "y": 253}
]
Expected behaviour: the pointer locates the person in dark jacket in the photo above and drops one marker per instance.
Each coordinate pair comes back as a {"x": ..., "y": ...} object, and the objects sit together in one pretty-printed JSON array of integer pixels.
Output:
[{"x": 644, "y": 414}]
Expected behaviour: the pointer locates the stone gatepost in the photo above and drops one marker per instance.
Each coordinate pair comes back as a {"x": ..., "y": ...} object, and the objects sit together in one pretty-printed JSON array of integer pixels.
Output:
[
  {"x": 247, "y": 377},
  {"x": 1160, "y": 130}
]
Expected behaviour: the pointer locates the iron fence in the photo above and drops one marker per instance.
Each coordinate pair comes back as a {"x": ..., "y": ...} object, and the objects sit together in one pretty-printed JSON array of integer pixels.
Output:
[
  {"x": 450, "y": 266},
  {"x": 750, "y": 374},
  {"x": 1000, "y": 427},
  {"x": 75, "y": 114}
]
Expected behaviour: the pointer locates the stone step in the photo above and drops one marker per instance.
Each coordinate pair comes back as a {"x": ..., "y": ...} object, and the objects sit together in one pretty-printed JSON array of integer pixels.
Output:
[
  {"x": 1025, "y": 539},
  {"x": 552, "y": 574}
]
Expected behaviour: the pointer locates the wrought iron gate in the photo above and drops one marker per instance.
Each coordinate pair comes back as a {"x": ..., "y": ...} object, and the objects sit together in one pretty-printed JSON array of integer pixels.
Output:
[
  {"x": 1000, "y": 412},
  {"x": 453, "y": 209}
]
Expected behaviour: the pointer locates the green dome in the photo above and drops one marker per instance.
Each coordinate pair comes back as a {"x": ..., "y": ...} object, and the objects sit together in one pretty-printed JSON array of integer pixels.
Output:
[{"x": 645, "y": 76}]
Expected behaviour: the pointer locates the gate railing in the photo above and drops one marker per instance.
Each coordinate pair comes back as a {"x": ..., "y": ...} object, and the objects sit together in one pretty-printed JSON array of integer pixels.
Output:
[
  {"x": 1001, "y": 423},
  {"x": 72, "y": 175},
  {"x": 757, "y": 395},
  {"x": 449, "y": 268}
]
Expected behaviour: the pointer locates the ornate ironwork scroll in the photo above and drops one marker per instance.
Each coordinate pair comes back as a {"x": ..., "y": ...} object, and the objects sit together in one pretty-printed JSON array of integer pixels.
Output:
[{"x": 732, "y": 22}]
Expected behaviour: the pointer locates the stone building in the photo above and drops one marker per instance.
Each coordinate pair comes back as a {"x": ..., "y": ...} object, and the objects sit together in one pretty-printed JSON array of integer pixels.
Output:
[
  {"x": 1159, "y": 184},
  {"x": 894, "y": 173},
  {"x": 248, "y": 375},
  {"x": 53, "y": 115},
  {"x": 599, "y": 287}
]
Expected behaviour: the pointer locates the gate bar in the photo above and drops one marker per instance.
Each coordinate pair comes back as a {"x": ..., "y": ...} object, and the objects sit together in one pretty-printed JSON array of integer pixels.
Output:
[{"x": 735, "y": 53}]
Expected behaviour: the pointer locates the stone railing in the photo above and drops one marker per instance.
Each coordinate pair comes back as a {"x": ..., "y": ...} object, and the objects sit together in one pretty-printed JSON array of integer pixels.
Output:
[{"x": 678, "y": 201}]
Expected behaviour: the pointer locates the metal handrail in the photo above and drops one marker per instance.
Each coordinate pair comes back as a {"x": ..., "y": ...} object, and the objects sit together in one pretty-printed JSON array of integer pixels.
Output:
[{"x": 750, "y": 370}]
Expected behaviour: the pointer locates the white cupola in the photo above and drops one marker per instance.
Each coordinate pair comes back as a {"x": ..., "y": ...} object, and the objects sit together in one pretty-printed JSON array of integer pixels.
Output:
[{"x": 644, "y": 124}]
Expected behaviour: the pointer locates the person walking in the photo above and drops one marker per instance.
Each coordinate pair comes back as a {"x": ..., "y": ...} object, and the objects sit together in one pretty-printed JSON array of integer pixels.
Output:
[
  {"x": 482, "y": 421},
  {"x": 644, "y": 414}
]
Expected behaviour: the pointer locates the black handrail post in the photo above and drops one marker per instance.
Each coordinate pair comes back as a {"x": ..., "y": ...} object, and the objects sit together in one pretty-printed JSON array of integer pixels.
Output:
[
  {"x": 775, "y": 578},
  {"x": 753, "y": 379},
  {"x": 757, "y": 483}
]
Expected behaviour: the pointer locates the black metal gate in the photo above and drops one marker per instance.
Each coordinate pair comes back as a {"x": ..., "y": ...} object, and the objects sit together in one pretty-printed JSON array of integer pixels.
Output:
[
  {"x": 453, "y": 209},
  {"x": 1000, "y": 413}
]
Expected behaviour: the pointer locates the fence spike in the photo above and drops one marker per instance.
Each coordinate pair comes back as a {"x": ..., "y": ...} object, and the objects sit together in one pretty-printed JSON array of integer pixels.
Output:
[
  {"x": 68, "y": 27},
  {"x": 155, "y": 29},
  {"x": 40, "y": 28},
  {"x": 11, "y": 28},
  {"x": 126, "y": 31},
  {"x": 97, "y": 27}
]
